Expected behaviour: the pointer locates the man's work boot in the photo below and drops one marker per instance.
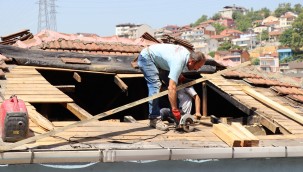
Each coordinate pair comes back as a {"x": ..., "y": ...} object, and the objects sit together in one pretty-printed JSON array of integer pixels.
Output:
[{"x": 158, "y": 124}]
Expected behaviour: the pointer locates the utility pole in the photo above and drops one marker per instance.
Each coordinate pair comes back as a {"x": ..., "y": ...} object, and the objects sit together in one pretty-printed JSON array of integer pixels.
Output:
[
  {"x": 52, "y": 12},
  {"x": 47, "y": 15}
]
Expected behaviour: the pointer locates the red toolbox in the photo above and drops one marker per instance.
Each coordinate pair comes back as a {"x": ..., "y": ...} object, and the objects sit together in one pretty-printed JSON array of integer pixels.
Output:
[{"x": 14, "y": 124}]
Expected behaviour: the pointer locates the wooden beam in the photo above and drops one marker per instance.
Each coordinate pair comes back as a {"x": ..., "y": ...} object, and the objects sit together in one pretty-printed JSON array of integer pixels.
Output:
[
  {"x": 269, "y": 125},
  {"x": 274, "y": 105},
  {"x": 226, "y": 135},
  {"x": 38, "y": 119},
  {"x": 7, "y": 147},
  {"x": 77, "y": 77},
  {"x": 78, "y": 111},
  {"x": 120, "y": 83},
  {"x": 253, "y": 139},
  {"x": 130, "y": 75}
]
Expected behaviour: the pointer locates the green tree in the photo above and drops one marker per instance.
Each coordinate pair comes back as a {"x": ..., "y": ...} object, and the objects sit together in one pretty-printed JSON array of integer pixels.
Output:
[
  {"x": 297, "y": 36},
  {"x": 285, "y": 38},
  {"x": 255, "y": 61},
  {"x": 282, "y": 9},
  {"x": 264, "y": 35},
  {"x": 225, "y": 46},
  {"x": 219, "y": 28},
  {"x": 264, "y": 12},
  {"x": 298, "y": 8},
  {"x": 244, "y": 22},
  {"x": 203, "y": 18},
  {"x": 216, "y": 16}
]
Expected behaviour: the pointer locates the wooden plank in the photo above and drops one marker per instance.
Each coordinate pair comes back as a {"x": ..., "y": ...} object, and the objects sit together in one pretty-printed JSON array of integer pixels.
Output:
[
  {"x": 120, "y": 83},
  {"x": 8, "y": 147},
  {"x": 39, "y": 120},
  {"x": 77, "y": 110},
  {"x": 130, "y": 75},
  {"x": 77, "y": 77},
  {"x": 274, "y": 105},
  {"x": 269, "y": 125},
  {"x": 253, "y": 139},
  {"x": 66, "y": 70},
  {"x": 228, "y": 137},
  {"x": 25, "y": 92}
]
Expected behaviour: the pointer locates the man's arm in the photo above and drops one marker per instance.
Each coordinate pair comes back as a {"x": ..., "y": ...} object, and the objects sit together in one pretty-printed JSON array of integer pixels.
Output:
[
  {"x": 172, "y": 94},
  {"x": 197, "y": 105}
]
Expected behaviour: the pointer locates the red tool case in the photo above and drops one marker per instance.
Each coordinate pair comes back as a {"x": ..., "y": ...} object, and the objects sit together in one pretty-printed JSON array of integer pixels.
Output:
[{"x": 14, "y": 123}]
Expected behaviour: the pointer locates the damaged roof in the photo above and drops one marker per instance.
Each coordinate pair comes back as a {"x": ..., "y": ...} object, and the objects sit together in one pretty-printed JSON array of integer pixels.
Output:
[{"x": 233, "y": 91}]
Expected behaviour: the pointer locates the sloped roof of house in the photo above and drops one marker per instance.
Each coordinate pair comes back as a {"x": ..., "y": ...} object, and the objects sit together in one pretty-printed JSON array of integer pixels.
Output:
[
  {"x": 114, "y": 141},
  {"x": 230, "y": 32}
]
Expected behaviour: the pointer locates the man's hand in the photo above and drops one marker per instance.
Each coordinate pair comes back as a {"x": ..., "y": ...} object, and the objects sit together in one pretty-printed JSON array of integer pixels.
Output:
[
  {"x": 177, "y": 114},
  {"x": 197, "y": 115}
]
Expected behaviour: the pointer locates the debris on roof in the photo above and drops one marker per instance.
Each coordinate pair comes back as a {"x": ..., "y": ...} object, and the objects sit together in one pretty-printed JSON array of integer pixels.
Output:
[
  {"x": 13, "y": 38},
  {"x": 173, "y": 40}
]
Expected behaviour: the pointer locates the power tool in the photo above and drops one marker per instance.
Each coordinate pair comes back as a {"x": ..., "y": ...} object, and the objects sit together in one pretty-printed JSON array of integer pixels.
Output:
[
  {"x": 14, "y": 120},
  {"x": 186, "y": 123}
]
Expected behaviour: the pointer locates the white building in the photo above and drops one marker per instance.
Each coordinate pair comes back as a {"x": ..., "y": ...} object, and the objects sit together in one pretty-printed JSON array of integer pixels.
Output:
[
  {"x": 269, "y": 62},
  {"x": 228, "y": 11},
  {"x": 133, "y": 31},
  {"x": 248, "y": 41}
]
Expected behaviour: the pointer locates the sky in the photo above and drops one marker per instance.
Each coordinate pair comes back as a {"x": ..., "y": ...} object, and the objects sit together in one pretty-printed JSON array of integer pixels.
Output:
[{"x": 101, "y": 16}]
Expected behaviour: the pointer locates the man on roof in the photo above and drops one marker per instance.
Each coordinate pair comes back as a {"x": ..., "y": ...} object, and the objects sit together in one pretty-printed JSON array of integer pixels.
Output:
[{"x": 169, "y": 57}]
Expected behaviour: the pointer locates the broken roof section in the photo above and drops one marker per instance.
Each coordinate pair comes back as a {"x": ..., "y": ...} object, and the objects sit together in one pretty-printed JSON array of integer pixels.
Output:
[
  {"x": 281, "y": 85},
  {"x": 13, "y": 38}
]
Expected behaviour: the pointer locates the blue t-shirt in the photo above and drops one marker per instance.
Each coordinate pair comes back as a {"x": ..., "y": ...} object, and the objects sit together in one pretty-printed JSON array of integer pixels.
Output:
[{"x": 170, "y": 57}]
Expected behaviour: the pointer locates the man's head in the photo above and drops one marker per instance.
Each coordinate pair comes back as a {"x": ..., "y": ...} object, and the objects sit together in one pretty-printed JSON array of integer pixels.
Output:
[{"x": 196, "y": 60}]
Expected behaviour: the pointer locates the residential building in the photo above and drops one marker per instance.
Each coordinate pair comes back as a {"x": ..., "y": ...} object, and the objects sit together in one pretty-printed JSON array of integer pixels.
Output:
[
  {"x": 172, "y": 28},
  {"x": 287, "y": 19},
  {"x": 207, "y": 29},
  {"x": 160, "y": 32},
  {"x": 231, "y": 33},
  {"x": 192, "y": 34},
  {"x": 122, "y": 30},
  {"x": 260, "y": 29},
  {"x": 228, "y": 11},
  {"x": 227, "y": 22},
  {"x": 275, "y": 35},
  {"x": 247, "y": 41},
  {"x": 232, "y": 57},
  {"x": 205, "y": 45},
  {"x": 269, "y": 19},
  {"x": 269, "y": 62},
  {"x": 284, "y": 52},
  {"x": 133, "y": 31},
  {"x": 295, "y": 67}
]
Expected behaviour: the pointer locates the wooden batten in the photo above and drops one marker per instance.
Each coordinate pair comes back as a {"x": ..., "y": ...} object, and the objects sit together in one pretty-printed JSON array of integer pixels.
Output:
[
  {"x": 77, "y": 77},
  {"x": 274, "y": 105},
  {"x": 253, "y": 139},
  {"x": 228, "y": 137},
  {"x": 77, "y": 110},
  {"x": 120, "y": 83}
]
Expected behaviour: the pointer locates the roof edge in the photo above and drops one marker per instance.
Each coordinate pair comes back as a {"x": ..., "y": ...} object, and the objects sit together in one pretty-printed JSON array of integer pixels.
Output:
[{"x": 32, "y": 157}]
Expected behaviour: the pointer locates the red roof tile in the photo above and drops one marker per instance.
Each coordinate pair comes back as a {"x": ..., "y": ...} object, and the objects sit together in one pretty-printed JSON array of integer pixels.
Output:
[
  {"x": 238, "y": 74},
  {"x": 298, "y": 98}
]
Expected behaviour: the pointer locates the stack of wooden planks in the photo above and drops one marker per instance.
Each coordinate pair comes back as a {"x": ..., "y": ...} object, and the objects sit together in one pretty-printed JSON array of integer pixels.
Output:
[{"x": 235, "y": 135}]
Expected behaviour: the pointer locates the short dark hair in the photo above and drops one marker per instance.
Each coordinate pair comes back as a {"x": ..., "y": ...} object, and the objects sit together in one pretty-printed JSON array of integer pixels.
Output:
[{"x": 197, "y": 56}]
